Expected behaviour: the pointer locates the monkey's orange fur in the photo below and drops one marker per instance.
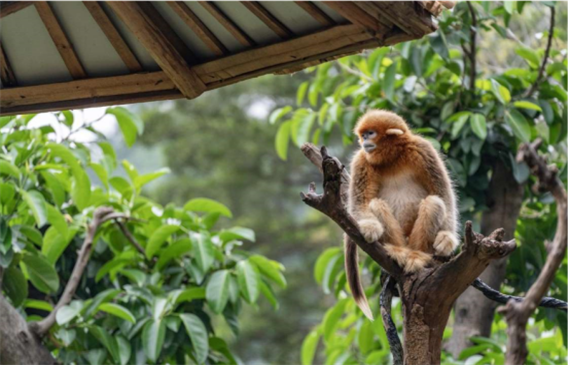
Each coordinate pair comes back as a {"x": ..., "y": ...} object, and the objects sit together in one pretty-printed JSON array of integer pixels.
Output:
[{"x": 400, "y": 195}]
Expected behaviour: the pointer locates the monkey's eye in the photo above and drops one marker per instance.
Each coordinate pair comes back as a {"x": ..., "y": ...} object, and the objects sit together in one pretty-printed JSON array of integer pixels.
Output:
[{"x": 368, "y": 134}]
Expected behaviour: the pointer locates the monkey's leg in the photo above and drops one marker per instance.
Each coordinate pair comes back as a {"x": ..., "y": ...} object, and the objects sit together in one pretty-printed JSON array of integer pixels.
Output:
[
  {"x": 393, "y": 232},
  {"x": 445, "y": 243},
  {"x": 431, "y": 216}
]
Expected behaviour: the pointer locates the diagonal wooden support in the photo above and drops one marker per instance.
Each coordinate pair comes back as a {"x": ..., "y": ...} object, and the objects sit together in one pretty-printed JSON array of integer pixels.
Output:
[
  {"x": 158, "y": 44},
  {"x": 227, "y": 23},
  {"x": 268, "y": 19}
]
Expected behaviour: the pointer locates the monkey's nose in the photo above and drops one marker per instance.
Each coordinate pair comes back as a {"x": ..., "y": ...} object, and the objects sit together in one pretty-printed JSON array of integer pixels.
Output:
[{"x": 368, "y": 146}]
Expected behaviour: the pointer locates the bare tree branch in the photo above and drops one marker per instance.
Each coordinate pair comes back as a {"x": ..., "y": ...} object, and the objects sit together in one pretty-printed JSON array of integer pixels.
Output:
[
  {"x": 546, "y": 53},
  {"x": 100, "y": 216},
  {"x": 517, "y": 313},
  {"x": 129, "y": 236},
  {"x": 386, "y": 312}
]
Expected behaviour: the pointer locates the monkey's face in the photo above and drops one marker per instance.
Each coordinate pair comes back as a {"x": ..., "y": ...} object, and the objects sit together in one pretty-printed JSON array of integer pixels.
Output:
[{"x": 381, "y": 134}]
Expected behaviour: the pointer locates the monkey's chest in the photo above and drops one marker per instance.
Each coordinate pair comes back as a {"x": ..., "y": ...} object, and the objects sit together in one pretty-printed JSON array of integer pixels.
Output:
[{"x": 403, "y": 194}]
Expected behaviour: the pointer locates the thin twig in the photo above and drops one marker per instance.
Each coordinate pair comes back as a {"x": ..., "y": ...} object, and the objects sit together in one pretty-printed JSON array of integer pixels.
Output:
[
  {"x": 128, "y": 235},
  {"x": 497, "y": 296},
  {"x": 546, "y": 53},
  {"x": 99, "y": 217},
  {"x": 473, "y": 52}
]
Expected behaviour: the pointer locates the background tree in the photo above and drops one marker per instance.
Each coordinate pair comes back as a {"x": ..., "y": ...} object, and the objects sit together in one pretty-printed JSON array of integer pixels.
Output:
[
  {"x": 476, "y": 112},
  {"x": 103, "y": 274}
]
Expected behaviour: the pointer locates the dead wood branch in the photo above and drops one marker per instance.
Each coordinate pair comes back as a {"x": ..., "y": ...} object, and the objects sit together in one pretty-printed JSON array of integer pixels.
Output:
[{"x": 517, "y": 313}]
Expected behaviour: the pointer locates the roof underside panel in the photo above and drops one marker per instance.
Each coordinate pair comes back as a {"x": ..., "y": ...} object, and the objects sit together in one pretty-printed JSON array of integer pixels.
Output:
[{"x": 70, "y": 54}]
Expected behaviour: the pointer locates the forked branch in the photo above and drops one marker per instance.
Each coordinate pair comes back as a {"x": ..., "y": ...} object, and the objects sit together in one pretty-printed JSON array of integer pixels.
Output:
[{"x": 517, "y": 313}]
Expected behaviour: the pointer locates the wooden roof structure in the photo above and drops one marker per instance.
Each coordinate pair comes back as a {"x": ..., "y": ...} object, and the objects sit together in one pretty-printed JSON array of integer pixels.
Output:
[{"x": 73, "y": 54}]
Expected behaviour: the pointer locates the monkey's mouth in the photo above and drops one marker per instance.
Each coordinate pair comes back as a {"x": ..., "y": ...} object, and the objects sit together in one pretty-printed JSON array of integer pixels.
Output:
[{"x": 368, "y": 146}]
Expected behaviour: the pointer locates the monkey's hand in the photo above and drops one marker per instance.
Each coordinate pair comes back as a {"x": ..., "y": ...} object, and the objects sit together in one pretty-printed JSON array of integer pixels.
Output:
[
  {"x": 445, "y": 243},
  {"x": 371, "y": 229}
]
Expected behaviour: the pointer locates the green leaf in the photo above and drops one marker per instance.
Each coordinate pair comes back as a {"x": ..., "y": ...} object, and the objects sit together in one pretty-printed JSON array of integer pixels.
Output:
[
  {"x": 68, "y": 312},
  {"x": 217, "y": 290},
  {"x": 55, "y": 187},
  {"x": 7, "y": 193},
  {"x": 110, "y": 265},
  {"x": 124, "y": 349},
  {"x": 529, "y": 55},
  {"x": 388, "y": 81},
  {"x": 56, "y": 219},
  {"x": 509, "y": 6},
  {"x": 7, "y": 168},
  {"x": 237, "y": 233},
  {"x": 208, "y": 206},
  {"x": 188, "y": 295},
  {"x": 479, "y": 125},
  {"x": 309, "y": 348},
  {"x": 37, "y": 205},
  {"x": 106, "y": 340},
  {"x": 282, "y": 139},
  {"x": 153, "y": 338},
  {"x": 129, "y": 123},
  {"x": 270, "y": 269},
  {"x": 158, "y": 238},
  {"x": 501, "y": 93},
  {"x": 248, "y": 280},
  {"x": 67, "y": 118},
  {"x": 301, "y": 91},
  {"x": 527, "y": 105},
  {"x": 518, "y": 124},
  {"x": 93, "y": 305},
  {"x": 268, "y": 293},
  {"x": 177, "y": 249},
  {"x": 81, "y": 189},
  {"x": 41, "y": 273},
  {"x": 15, "y": 285},
  {"x": 279, "y": 113},
  {"x": 323, "y": 261},
  {"x": 332, "y": 319},
  {"x": 54, "y": 244},
  {"x": 142, "y": 180},
  {"x": 198, "y": 334},
  {"x": 101, "y": 173},
  {"x": 118, "y": 310},
  {"x": 203, "y": 250},
  {"x": 38, "y": 304}
]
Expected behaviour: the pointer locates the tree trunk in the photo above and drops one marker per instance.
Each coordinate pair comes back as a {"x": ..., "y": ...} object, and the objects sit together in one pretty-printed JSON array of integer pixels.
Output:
[
  {"x": 17, "y": 344},
  {"x": 473, "y": 312}
]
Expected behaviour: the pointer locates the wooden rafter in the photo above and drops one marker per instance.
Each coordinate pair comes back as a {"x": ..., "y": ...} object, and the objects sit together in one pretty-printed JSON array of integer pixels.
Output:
[
  {"x": 356, "y": 15},
  {"x": 9, "y": 7},
  {"x": 60, "y": 40},
  {"x": 159, "y": 45},
  {"x": 316, "y": 13},
  {"x": 113, "y": 35},
  {"x": 6, "y": 73},
  {"x": 404, "y": 15},
  {"x": 293, "y": 54},
  {"x": 268, "y": 19},
  {"x": 201, "y": 30},
  {"x": 229, "y": 24},
  {"x": 159, "y": 22}
]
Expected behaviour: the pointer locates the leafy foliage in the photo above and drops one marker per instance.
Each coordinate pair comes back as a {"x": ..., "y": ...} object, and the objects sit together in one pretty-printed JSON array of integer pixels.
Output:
[
  {"x": 475, "y": 115},
  {"x": 157, "y": 305}
]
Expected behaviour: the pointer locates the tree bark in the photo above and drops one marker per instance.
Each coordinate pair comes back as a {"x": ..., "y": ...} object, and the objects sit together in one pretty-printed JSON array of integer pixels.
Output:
[
  {"x": 18, "y": 345},
  {"x": 473, "y": 311},
  {"x": 428, "y": 296}
]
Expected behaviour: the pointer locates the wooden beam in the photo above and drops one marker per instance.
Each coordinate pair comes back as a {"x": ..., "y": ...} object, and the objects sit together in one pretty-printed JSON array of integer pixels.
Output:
[
  {"x": 6, "y": 73},
  {"x": 316, "y": 13},
  {"x": 405, "y": 15},
  {"x": 356, "y": 15},
  {"x": 201, "y": 30},
  {"x": 227, "y": 23},
  {"x": 168, "y": 32},
  {"x": 9, "y": 7},
  {"x": 266, "y": 17},
  {"x": 60, "y": 40},
  {"x": 160, "y": 47},
  {"x": 113, "y": 35}
]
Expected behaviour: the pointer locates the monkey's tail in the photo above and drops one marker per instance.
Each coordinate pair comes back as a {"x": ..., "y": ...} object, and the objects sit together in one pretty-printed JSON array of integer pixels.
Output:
[
  {"x": 410, "y": 260},
  {"x": 353, "y": 276}
]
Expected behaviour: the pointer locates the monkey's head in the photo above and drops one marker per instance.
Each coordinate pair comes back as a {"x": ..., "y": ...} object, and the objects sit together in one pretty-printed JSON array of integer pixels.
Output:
[{"x": 382, "y": 135}]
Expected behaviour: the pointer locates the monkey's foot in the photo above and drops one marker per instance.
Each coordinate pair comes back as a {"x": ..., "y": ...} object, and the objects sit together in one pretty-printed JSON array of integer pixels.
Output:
[
  {"x": 416, "y": 261},
  {"x": 371, "y": 229},
  {"x": 445, "y": 243}
]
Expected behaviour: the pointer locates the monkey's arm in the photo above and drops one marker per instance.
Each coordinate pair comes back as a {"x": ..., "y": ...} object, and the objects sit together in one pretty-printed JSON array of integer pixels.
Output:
[
  {"x": 361, "y": 192},
  {"x": 436, "y": 180}
]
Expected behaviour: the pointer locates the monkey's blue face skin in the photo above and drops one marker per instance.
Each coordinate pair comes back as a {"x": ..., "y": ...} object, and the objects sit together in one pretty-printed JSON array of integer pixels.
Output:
[{"x": 367, "y": 138}]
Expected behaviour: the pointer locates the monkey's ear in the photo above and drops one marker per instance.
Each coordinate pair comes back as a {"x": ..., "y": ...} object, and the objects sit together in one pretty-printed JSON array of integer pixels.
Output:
[{"x": 394, "y": 132}]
